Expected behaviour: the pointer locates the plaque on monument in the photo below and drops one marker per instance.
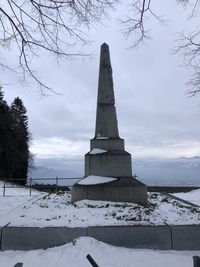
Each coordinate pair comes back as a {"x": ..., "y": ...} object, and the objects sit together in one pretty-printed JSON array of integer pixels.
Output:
[{"x": 108, "y": 167}]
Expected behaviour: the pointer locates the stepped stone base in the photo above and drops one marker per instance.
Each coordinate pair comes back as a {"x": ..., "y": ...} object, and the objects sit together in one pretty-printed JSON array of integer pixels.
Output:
[{"x": 122, "y": 190}]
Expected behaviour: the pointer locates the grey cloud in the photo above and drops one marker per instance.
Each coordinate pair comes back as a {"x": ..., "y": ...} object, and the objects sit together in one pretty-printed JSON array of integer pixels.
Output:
[{"x": 152, "y": 107}]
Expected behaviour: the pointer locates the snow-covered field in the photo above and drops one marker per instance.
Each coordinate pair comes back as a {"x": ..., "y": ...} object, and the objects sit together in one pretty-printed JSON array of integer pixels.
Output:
[
  {"x": 14, "y": 197},
  {"x": 55, "y": 209},
  {"x": 193, "y": 196},
  {"x": 74, "y": 255},
  {"x": 42, "y": 209},
  {"x": 15, "y": 190}
]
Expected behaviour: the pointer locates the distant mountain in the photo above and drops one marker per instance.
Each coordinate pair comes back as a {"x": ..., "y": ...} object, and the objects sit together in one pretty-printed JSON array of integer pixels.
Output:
[
  {"x": 44, "y": 172},
  {"x": 168, "y": 172},
  {"x": 191, "y": 158},
  {"x": 46, "y": 175}
]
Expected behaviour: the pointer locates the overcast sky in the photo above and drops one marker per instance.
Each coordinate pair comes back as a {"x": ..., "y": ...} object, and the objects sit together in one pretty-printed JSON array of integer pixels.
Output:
[{"x": 155, "y": 116}]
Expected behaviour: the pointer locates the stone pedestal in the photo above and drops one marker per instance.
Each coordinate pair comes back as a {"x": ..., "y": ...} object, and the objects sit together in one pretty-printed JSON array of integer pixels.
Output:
[{"x": 122, "y": 190}]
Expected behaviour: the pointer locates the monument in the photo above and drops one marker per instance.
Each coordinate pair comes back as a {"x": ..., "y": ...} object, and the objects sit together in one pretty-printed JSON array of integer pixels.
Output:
[{"x": 108, "y": 167}]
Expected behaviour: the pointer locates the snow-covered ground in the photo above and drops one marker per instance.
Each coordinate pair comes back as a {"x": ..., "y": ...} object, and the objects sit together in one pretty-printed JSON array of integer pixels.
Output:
[
  {"x": 74, "y": 255},
  {"x": 14, "y": 197},
  {"x": 193, "y": 196},
  {"x": 55, "y": 209},
  {"x": 15, "y": 190},
  {"x": 42, "y": 209}
]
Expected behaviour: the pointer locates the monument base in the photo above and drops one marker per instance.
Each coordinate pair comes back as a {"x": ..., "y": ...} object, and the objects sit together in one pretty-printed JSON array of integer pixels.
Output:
[{"x": 122, "y": 190}]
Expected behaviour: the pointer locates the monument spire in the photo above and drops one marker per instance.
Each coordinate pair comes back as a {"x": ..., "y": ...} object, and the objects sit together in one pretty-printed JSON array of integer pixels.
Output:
[
  {"x": 108, "y": 167},
  {"x": 106, "y": 118}
]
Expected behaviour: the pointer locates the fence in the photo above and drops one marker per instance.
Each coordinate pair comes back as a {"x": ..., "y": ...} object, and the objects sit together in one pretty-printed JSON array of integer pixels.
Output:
[
  {"x": 57, "y": 183},
  {"x": 44, "y": 184}
]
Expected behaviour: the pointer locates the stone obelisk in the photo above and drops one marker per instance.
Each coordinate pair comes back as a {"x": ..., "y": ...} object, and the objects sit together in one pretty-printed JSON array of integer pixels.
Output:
[{"x": 107, "y": 158}]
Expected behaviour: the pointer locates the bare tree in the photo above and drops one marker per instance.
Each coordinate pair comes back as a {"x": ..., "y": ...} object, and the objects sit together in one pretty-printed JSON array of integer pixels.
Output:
[
  {"x": 55, "y": 26},
  {"x": 136, "y": 26}
]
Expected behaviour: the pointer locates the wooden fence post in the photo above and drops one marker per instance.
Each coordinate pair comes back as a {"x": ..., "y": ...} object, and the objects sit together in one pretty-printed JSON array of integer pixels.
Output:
[
  {"x": 4, "y": 187},
  {"x": 56, "y": 183},
  {"x": 30, "y": 184}
]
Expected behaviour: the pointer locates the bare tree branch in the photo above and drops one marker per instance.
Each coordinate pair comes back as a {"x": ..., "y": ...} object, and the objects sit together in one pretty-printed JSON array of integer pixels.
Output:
[
  {"x": 54, "y": 26},
  {"x": 135, "y": 24},
  {"x": 188, "y": 45}
]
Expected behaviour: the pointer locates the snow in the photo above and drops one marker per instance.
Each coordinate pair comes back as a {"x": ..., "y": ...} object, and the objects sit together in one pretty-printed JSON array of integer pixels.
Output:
[
  {"x": 56, "y": 209},
  {"x": 93, "y": 179},
  {"x": 95, "y": 151},
  {"x": 74, "y": 255},
  {"x": 15, "y": 196},
  {"x": 102, "y": 137},
  {"x": 193, "y": 196}
]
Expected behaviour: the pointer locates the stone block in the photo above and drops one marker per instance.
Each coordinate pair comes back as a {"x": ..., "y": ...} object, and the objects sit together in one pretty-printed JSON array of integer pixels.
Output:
[
  {"x": 186, "y": 237},
  {"x": 148, "y": 237},
  {"x": 107, "y": 144},
  {"x": 28, "y": 238},
  {"x": 110, "y": 164},
  {"x": 122, "y": 190}
]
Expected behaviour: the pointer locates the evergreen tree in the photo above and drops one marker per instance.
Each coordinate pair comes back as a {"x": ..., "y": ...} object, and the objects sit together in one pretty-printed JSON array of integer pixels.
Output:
[
  {"x": 6, "y": 138},
  {"x": 14, "y": 141},
  {"x": 21, "y": 140},
  {"x": 1, "y": 94}
]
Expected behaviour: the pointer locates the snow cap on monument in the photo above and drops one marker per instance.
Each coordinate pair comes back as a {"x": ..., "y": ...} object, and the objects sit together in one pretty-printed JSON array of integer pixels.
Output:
[{"x": 106, "y": 119}]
